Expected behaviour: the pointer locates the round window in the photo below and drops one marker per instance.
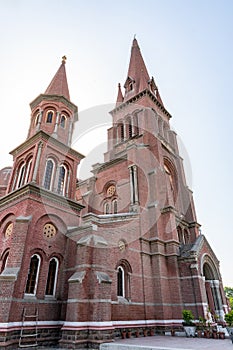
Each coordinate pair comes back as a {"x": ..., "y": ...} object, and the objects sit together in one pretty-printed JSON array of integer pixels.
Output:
[
  {"x": 111, "y": 190},
  {"x": 49, "y": 230},
  {"x": 9, "y": 230}
]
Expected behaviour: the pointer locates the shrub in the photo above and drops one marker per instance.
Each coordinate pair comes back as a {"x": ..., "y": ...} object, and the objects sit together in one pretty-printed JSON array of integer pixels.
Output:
[
  {"x": 187, "y": 317},
  {"x": 229, "y": 318}
]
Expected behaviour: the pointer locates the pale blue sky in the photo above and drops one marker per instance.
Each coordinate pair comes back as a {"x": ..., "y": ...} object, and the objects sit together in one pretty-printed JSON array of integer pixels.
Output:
[{"x": 187, "y": 47}]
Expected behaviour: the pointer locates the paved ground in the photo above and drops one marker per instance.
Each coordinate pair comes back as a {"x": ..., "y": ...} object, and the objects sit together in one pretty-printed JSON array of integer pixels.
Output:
[{"x": 169, "y": 343}]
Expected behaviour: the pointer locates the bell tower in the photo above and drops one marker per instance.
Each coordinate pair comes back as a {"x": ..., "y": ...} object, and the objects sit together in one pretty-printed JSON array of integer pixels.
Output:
[
  {"x": 45, "y": 158},
  {"x": 37, "y": 212}
]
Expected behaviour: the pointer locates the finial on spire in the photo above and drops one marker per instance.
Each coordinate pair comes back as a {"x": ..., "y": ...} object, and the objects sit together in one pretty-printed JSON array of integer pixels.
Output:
[
  {"x": 64, "y": 59},
  {"x": 134, "y": 36}
]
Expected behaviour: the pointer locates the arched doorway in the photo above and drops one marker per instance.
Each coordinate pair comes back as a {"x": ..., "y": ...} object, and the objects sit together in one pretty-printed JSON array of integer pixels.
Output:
[{"x": 213, "y": 290}]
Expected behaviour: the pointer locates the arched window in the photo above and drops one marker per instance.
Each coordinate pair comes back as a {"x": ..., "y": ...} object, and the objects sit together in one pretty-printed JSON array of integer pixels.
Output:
[
  {"x": 171, "y": 179},
  {"x": 63, "y": 121},
  {"x": 180, "y": 235},
  {"x": 49, "y": 171},
  {"x": 52, "y": 277},
  {"x": 4, "y": 261},
  {"x": 49, "y": 118},
  {"x": 21, "y": 175},
  {"x": 123, "y": 279},
  {"x": 120, "y": 282},
  {"x": 120, "y": 132},
  {"x": 106, "y": 208},
  {"x": 186, "y": 237},
  {"x": 129, "y": 128},
  {"x": 62, "y": 177},
  {"x": 29, "y": 165},
  {"x": 33, "y": 274},
  {"x": 114, "y": 204},
  {"x": 37, "y": 118}
]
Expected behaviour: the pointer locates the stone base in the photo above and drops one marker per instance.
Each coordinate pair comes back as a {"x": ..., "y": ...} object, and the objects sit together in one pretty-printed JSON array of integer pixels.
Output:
[
  {"x": 85, "y": 338},
  {"x": 55, "y": 337},
  {"x": 48, "y": 337}
]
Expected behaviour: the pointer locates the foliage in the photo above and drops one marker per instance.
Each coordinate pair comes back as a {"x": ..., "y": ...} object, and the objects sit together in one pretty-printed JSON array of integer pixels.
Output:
[
  {"x": 229, "y": 318},
  {"x": 229, "y": 294},
  {"x": 228, "y": 291},
  {"x": 188, "y": 317},
  {"x": 201, "y": 323}
]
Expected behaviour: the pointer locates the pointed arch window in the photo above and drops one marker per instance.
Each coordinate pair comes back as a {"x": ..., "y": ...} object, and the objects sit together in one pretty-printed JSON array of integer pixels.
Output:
[
  {"x": 62, "y": 178},
  {"x": 120, "y": 132},
  {"x": 106, "y": 208},
  {"x": 186, "y": 237},
  {"x": 29, "y": 166},
  {"x": 4, "y": 261},
  {"x": 120, "y": 282},
  {"x": 49, "y": 173},
  {"x": 37, "y": 118},
  {"x": 129, "y": 128},
  {"x": 171, "y": 179},
  {"x": 52, "y": 277},
  {"x": 180, "y": 235},
  {"x": 123, "y": 279},
  {"x": 63, "y": 121},
  {"x": 114, "y": 204},
  {"x": 49, "y": 117},
  {"x": 21, "y": 175},
  {"x": 33, "y": 274}
]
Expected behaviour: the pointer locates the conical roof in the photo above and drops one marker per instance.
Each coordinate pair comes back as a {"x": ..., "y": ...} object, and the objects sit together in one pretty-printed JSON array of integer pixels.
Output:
[
  {"x": 137, "y": 71},
  {"x": 138, "y": 78},
  {"x": 59, "y": 85},
  {"x": 137, "y": 68},
  {"x": 120, "y": 97}
]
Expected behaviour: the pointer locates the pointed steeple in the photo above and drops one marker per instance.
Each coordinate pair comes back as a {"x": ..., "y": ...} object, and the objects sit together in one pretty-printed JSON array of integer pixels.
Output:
[
  {"x": 59, "y": 85},
  {"x": 138, "y": 77},
  {"x": 120, "y": 97}
]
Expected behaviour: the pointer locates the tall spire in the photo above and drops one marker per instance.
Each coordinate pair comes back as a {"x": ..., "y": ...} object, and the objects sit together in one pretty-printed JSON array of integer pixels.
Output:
[
  {"x": 59, "y": 85},
  {"x": 138, "y": 78},
  {"x": 138, "y": 75}
]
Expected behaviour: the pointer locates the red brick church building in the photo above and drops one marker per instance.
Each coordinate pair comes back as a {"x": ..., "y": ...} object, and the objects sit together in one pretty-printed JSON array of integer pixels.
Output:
[{"x": 80, "y": 261}]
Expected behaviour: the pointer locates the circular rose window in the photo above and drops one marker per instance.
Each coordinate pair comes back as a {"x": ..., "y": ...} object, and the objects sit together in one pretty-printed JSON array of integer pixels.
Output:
[
  {"x": 121, "y": 245},
  {"x": 9, "y": 230},
  {"x": 111, "y": 190},
  {"x": 49, "y": 230}
]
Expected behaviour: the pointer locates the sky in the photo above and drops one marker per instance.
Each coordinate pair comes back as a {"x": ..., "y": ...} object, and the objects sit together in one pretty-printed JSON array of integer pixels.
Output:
[{"x": 187, "y": 47}]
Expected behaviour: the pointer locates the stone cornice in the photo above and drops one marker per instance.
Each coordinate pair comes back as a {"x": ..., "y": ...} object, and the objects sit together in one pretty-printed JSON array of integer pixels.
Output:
[
  {"x": 106, "y": 219},
  {"x": 137, "y": 97},
  {"x": 168, "y": 209},
  {"x": 55, "y": 98},
  {"x": 43, "y": 136},
  {"x": 31, "y": 190},
  {"x": 109, "y": 164}
]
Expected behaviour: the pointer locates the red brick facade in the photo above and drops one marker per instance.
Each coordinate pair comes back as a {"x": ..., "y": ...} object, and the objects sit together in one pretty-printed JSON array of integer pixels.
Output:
[{"x": 120, "y": 250}]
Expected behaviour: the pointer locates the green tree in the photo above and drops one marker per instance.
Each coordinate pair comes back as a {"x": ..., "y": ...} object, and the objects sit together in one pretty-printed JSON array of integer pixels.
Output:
[{"x": 229, "y": 294}]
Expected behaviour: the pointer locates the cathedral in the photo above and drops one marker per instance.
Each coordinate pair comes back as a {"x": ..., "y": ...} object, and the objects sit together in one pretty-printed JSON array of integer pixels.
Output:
[{"x": 82, "y": 261}]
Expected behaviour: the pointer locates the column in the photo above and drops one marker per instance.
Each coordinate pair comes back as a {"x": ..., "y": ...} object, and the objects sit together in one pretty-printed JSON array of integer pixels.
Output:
[
  {"x": 216, "y": 292},
  {"x": 135, "y": 178},
  {"x": 70, "y": 132},
  {"x": 209, "y": 294},
  {"x": 56, "y": 124},
  {"x": 131, "y": 185},
  {"x": 39, "y": 120},
  {"x": 37, "y": 162}
]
